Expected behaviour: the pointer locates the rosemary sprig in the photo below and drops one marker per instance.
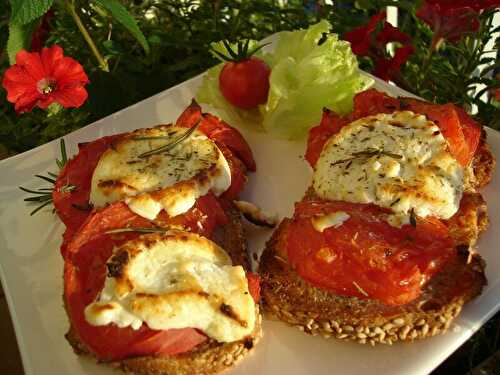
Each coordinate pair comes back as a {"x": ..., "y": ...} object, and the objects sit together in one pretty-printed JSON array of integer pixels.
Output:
[
  {"x": 43, "y": 196},
  {"x": 64, "y": 157},
  {"x": 171, "y": 145},
  {"x": 138, "y": 230}
]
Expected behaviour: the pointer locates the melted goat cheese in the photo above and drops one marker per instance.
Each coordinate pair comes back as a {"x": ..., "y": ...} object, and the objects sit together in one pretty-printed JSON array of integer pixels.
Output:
[
  {"x": 175, "y": 280},
  {"x": 334, "y": 219},
  {"x": 171, "y": 180},
  {"x": 398, "y": 161}
]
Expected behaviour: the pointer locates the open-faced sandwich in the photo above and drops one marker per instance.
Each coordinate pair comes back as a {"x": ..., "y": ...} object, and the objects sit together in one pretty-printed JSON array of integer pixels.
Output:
[
  {"x": 156, "y": 276},
  {"x": 381, "y": 247}
]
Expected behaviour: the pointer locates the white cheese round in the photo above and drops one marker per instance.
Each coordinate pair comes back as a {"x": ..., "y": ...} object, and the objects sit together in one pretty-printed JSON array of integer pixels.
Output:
[
  {"x": 171, "y": 180},
  {"x": 398, "y": 161},
  {"x": 175, "y": 280}
]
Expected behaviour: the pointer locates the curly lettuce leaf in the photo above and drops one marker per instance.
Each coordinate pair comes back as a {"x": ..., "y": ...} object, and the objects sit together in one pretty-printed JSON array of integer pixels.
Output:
[{"x": 305, "y": 78}]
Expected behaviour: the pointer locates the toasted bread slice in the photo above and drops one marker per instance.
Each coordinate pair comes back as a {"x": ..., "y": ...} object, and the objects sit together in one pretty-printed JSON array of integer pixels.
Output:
[
  {"x": 209, "y": 357},
  {"x": 483, "y": 163},
  {"x": 317, "y": 311},
  {"x": 289, "y": 298}
]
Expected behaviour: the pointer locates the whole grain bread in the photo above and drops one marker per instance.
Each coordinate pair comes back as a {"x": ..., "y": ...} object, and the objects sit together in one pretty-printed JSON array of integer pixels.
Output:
[
  {"x": 209, "y": 357},
  {"x": 288, "y": 297}
]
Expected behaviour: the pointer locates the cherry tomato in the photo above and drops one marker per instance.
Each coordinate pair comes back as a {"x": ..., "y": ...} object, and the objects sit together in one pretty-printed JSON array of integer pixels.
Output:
[{"x": 245, "y": 84}]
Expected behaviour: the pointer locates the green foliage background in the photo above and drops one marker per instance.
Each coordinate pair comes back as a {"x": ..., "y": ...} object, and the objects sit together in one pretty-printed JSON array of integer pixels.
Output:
[{"x": 178, "y": 34}]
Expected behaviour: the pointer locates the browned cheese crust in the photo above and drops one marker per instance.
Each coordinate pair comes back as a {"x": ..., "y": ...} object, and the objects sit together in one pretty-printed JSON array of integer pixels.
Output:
[
  {"x": 209, "y": 357},
  {"x": 289, "y": 298}
]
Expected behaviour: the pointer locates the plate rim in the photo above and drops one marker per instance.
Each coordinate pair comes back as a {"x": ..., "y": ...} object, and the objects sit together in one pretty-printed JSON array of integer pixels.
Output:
[{"x": 21, "y": 344}]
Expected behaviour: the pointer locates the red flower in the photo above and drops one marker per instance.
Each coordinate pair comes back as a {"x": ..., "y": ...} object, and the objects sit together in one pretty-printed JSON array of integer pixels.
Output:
[
  {"x": 389, "y": 68},
  {"x": 477, "y": 5},
  {"x": 360, "y": 38},
  {"x": 391, "y": 34},
  {"x": 450, "y": 20},
  {"x": 39, "y": 36},
  {"x": 363, "y": 38},
  {"x": 46, "y": 77},
  {"x": 496, "y": 94},
  {"x": 367, "y": 41}
]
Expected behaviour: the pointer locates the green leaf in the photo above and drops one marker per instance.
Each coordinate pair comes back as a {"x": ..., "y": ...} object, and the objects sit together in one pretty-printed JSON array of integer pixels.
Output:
[
  {"x": 25, "y": 11},
  {"x": 19, "y": 38},
  {"x": 305, "y": 78},
  {"x": 121, "y": 14}
]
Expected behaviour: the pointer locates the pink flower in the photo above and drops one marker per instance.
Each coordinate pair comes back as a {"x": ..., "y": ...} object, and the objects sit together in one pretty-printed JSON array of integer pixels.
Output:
[{"x": 46, "y": 77}]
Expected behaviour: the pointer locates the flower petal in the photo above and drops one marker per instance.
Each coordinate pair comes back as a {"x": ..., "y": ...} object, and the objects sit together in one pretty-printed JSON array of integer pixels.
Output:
[
  {"x": 40, "y": 34},
  {"x": 392, "y": 34},
  {"x": 17, "y": 83},
  {"x": 70, "y": 97},
  {"x": 387, "y": 69},
  {"x": 360, "y": 41},
  {"x": 50, "y": 57},
  {"x": 375, "y": 20},
  {"x": 361, "y": 37},
  {"x": 31, "y": 63},
  {"x": 449, "y": 22},
  {"x": 68, "y": 71},
  {"x": 477, "y": 5},
  {"x": 26, "y": 102},
  {"x": 46, "y": 100}
]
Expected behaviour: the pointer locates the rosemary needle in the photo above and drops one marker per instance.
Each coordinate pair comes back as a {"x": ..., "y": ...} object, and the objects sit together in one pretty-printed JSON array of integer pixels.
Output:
[
  {"x": 367, "y": 154},
  {"x": 138, "y": 229},
  {"x": 43, "y": 196},
  {"x": 172, "y": 144}
]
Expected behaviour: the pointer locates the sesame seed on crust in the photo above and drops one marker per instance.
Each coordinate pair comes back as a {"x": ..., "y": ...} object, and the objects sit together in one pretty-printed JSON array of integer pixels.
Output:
[{"x": 316, "y": 311}]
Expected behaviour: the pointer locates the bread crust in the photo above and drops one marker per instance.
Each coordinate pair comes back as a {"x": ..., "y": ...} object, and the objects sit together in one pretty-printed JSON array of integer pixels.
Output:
[
  {"x": 289, "y": 298},
  {"x": 209, "y": 357},
  {"x": 316, "y": 311},
  {"x": 483, "y": 163}
]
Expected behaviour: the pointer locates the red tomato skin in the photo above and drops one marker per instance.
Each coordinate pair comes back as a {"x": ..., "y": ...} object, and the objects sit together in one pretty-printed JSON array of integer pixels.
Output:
[
  {"x": 219, "y": 131},
  {"x": 245, "y": 84},
  {"x": 460, "y": 131},
  {"x": 379, "y": 262},
  {"x": 446, "y": 118},
  {"x": 78, "y": 172},
  {"x": 84, "y": 275},
  {"x": 331, "y": 123},
  {"x": 472, "y": 130},
  {"x": 206, "y": 214},
  {"x": 372, "y": 102},
  {"x": 253, "y": 285}
]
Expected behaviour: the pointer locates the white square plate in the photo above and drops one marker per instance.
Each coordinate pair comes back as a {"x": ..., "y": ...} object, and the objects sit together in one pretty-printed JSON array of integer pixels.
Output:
[{"x": 31, "y": 266}]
